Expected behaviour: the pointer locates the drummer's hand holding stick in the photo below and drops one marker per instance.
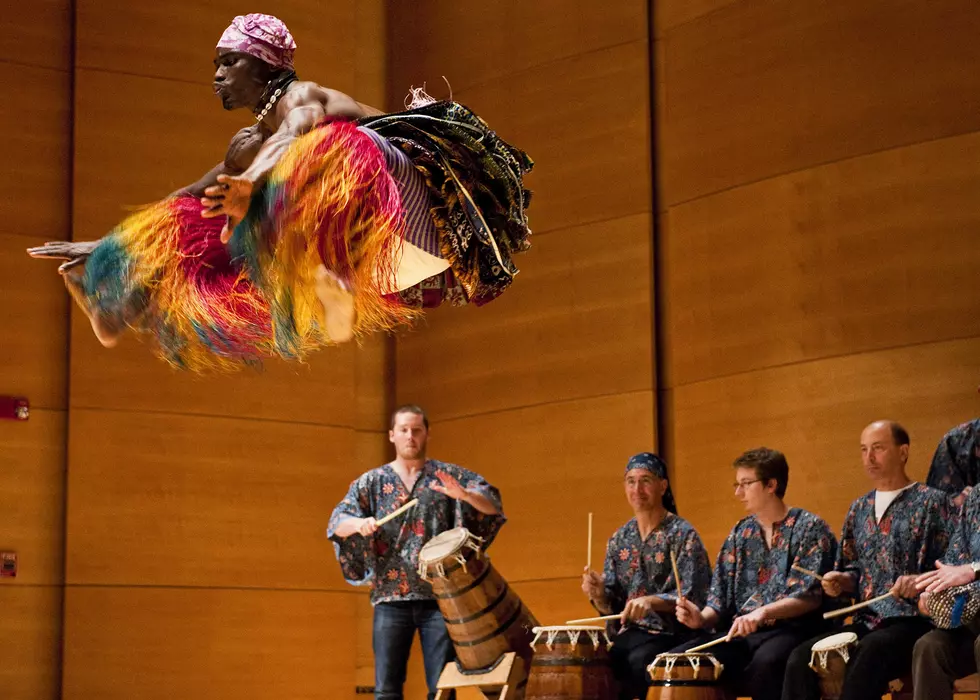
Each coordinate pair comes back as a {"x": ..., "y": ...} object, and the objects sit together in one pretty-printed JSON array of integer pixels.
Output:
[
  {"x": 837, "y": 583},
  {"x": 904, "y": 587},
  {"x": 595, "y": 589}
]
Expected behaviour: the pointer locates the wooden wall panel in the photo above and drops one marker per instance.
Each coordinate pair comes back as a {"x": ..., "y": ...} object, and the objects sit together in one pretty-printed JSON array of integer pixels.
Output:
[
  {"x": 34, "y": 314},
  {"x": 555, "y": 601},
  {"x": 34, "y": 203},
  {"x": 585, "y": 121},
  {"x": 36, "y": 33},
  {"x": 670, "y": 14},
  {"x": 138, "y": 139},
  {"x": 158, "y": 644},
  {"x": 862, "y": 254},
  {"x": 553, "y": 465},
  {"x": 30, "y": 645},
  {"x": 757, "y": 88},
  {"x": 176, "y": 39},
  {"x": 32, "y": 495},
  {"x": 130, "y": 377},
  {"x": 575, "y": 323},
  {"x": 814, "y": 413},
  {"x": 161, "y": 499},
  {"x": 471, "y": 47}
]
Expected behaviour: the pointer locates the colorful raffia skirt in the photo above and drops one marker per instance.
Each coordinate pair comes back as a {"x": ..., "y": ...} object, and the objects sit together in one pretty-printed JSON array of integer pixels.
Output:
[{"x": 349, "y": 196}]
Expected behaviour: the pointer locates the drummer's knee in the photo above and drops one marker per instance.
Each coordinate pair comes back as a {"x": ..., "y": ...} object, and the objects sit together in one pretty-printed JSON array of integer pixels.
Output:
[{"x": 931, "y": 649}]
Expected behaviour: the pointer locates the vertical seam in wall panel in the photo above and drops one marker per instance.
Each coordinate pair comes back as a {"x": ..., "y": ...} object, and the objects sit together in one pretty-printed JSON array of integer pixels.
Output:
[
  {"x": 656, "y": 267},
  {"x": 70, "y": 199}
]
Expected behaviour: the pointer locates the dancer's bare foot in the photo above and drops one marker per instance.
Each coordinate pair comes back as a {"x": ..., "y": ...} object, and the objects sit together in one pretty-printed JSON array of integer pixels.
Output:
[
  {"x": 338, "y": 305},
  {"x": 107, "y": 333}
]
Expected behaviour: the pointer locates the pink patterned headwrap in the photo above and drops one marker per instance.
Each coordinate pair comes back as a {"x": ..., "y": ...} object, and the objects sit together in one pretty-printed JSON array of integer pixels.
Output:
[{"x": 263, "y": 36}]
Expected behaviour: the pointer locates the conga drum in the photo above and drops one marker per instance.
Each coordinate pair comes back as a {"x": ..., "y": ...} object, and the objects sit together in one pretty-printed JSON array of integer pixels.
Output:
[
  {"x": 685, "y": 676},
  {"x": 829, "y": 658},
  {"x": 570, "y": 662},
  {"x": 484, "y": 617}
]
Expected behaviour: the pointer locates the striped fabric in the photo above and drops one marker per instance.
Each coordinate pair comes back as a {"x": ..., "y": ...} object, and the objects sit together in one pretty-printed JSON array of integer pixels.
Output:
[{"x": 416, "y": 201}]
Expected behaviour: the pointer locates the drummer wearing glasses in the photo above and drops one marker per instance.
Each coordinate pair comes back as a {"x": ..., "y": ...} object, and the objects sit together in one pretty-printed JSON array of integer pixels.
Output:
[
  {"x": 638, "y": 580},
  {"x": 766, "y": 606}
]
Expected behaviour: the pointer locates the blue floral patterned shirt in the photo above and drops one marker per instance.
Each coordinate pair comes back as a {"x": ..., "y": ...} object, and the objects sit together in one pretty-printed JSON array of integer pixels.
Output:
[
  {"x": 912, "y": 535},
  {"x": 750, "y": 574},
  {"x": 388, "y": 561},
  {"x": 956, "y": 463},
  {"x": 964, "y": 543},
  {"x": 636, "y": 567}
]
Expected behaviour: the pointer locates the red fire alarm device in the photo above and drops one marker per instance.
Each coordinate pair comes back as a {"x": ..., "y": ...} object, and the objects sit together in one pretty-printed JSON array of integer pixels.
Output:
[
  {"x": 14, "y": 408},
  {"x": 8, "y": 564}
]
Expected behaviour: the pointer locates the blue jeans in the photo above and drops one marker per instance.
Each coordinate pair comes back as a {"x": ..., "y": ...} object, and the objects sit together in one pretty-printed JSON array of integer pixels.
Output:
[{"x": 394, "y": 629}]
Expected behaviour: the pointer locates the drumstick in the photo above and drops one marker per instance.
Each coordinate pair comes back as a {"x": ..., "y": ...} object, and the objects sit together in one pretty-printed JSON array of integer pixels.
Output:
[
  {"x": 707, "y": 645},
  {"x": 677, "y": 576},
  {"x": 814, "y": 574},
  {"x": 584, "y": 620},
  {"x": 588, "y": 556},
  {"x": 852, "y": 608},
  {"x": 396, "y": 513}
]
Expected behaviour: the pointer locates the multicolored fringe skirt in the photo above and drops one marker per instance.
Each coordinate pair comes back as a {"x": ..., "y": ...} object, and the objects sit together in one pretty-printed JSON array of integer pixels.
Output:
[{"x": 337, "y": 199}]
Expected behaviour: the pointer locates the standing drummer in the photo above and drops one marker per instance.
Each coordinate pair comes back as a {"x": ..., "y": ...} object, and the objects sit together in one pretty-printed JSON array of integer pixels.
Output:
[
  {"x": 387, "y": 557},
  {"x": 890, "y": 536},
  {"x": 637, "y": 579},
  {"x": 758, "y": 600}
]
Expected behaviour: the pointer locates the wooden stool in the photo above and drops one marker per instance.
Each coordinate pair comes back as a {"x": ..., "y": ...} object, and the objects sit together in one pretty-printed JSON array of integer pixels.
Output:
[{"x": 499, "y": 683}]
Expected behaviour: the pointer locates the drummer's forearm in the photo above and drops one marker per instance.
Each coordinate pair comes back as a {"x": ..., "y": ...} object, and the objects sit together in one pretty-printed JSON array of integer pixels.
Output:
[
  {"x": 480, "y": 502},
  {"x": 348, "y": 527},
  {"x": 788, "y": 608},
  {"x": 709, "y": 617}
]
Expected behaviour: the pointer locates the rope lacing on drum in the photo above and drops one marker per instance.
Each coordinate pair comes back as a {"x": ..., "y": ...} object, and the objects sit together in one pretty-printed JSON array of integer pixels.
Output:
[{"x": 439, "y": 567}]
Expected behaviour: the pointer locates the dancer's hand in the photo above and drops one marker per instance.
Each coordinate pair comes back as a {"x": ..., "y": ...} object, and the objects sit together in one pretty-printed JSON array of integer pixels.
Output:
[
  {"x": 75, "y": 252},
  {"x": 231, "y": 197}
]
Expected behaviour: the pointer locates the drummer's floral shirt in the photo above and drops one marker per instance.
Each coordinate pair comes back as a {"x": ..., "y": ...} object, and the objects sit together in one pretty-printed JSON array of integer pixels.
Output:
[
  {"x": 912, "y": 535},
  {"x": 956, "y": 463},
  {"x": 388, "y": 561},
  {"x": 964, "y": 543},
  {"x": 750, "y": 573},
  {"x": 636, "y": 567}
]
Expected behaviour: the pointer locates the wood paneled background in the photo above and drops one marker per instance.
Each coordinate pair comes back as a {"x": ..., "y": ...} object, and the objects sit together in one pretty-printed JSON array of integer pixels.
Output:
[{"x": 754, "y": 223}]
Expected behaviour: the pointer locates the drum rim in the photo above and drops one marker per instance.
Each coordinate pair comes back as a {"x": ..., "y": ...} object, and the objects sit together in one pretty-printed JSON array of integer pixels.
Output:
[
  {"x": 466, "y": 534},
  {"x": 842, "y": 639}
]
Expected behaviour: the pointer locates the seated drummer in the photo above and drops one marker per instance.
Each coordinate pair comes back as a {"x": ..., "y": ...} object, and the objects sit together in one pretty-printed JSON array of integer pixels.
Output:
[
  {"x": 890, "y": 536},
  {"x": 637, "y": 578},
  {"x": 943, "y": 655},
  {"x": 387, "y": 557},
  {"x": 765, "y": 606}
]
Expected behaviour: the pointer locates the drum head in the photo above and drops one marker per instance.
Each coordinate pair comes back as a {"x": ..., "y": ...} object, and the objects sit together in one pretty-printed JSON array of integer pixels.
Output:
[
  {"x": 835, "y": 641},
  {"x": 444, "y": 544}
]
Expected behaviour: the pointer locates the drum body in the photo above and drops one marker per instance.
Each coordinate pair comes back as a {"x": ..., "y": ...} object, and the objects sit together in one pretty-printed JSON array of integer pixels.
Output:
[
  {"x": 571, "y": 662},
  {"x": 685, "y": 676},
  {"x": 954, "y": 607},
  {"x": 829, "y": 658},
  {"x": 484, "y": 616}
]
